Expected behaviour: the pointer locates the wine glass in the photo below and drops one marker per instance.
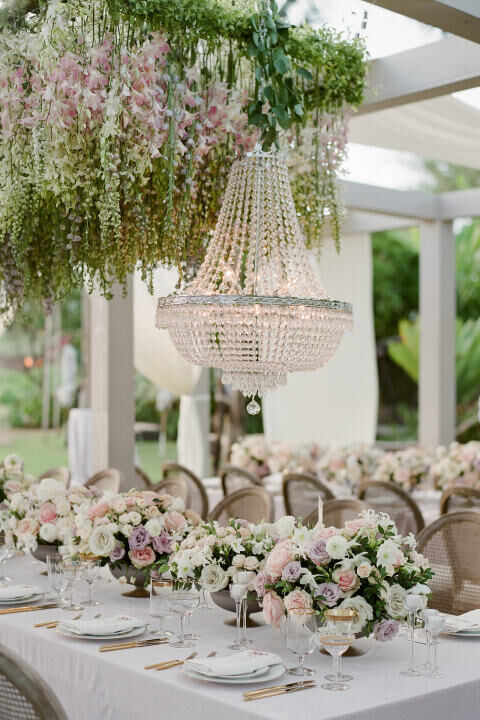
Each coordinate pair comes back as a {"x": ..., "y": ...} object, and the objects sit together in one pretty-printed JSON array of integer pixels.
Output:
[
  {"x": 413, "y": 603},
  {"x": 183, "y": 603},
  {"x": 73, "y": 570},
  {"x": 57, "y": 578},
  {"x": 333, "y": 618},
  {"x": 91, "y": 571},
  {"x": 238, "y": 592},
  {"x": 435, "y": 625},
  {"x": 427, "y": 665},
  {"x": 245, "y": 577},
  {"x": 336, "y": 637},
  {"x": 160, "y": 591},
  {"x": 7, "y": 551},
  {"x": 301, "y": 638}
]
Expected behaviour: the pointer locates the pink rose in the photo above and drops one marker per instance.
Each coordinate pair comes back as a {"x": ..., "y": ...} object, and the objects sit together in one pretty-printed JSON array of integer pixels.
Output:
[
  {"x": 327, "y": 532},
  {"x": 353, "y": 526},
  {"x": 47, "y": 513},
  {"x": 298, "y": 600},
  {"x": 130, "y": 501},
  {"x": 142, "y": 558},
  {"x": 273, "y": 609},
  {"x": 27, "y": 526},
  {"x": 193, "y": 517},
  {"x": 150, "y": 497},
  {"x": 152, "y": 511},
  {"x": 346, "y": 580},
  {"x": 174, "y": 521},
  {"x": 98, "y": 510},
  {"x": 280, "y": 556}
]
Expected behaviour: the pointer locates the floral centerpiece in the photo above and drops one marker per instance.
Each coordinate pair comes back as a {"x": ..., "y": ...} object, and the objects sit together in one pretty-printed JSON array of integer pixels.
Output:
[
  {"x": 407, "y": 468},
  {"x": 44, "y": 514},
  {"x": 350, "y": 465},
  {"x": 365, "y": 566},
  {"x": 264, "y": 457},
  {"x": 12, "y": 477},
  {"x": 457, "y": 465},
  {"x": 134, "y": 532}
]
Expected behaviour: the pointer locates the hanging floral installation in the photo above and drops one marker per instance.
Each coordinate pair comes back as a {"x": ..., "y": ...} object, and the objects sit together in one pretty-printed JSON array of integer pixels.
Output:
[{"x": 119, "y": 121}]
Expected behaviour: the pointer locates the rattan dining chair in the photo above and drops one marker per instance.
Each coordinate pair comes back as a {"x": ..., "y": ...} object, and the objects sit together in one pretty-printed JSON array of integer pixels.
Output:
[
  {"x": 300, "y": 494},
  {"x": 24, "y": 695},
  {"x": 197, "y": 495},
  {"x": 337, "y": 512},
  {"x": 108, "y": 479},
  {"x": 452, "y": 546},
  {"x": 62, "y": 474},
  {"x": 459, "y": 498},
  {"x": 174, "y": 486},
  {"x": 235, "y": 478},
  {"x": 252, "y": 503},
  {"x": 389, "y": 498},
  {"x": 142, "y": 481}
]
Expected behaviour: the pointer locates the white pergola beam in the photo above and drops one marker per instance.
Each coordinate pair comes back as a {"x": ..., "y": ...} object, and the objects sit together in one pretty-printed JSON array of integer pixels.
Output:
[
  {"x": 357, "y": 221},
  {"x": 460, "y": 203},
  {"x": 443, "y": 67},
  {"x": 410, "y": 204},
  {"x": 458, "y": 17}
]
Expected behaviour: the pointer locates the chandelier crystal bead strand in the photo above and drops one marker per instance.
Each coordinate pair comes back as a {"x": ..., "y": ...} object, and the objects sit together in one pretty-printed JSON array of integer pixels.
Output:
[{"x": 255, "y": 309}]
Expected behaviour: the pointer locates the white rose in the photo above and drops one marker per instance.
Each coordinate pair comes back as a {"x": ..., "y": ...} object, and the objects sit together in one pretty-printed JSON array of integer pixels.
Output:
[
  {"x": 251, "y": 563},
  {"x": 102, "y": 541},
  {"x": 285, "y": 526},
  {"x": 364, "y": 569},
  {"x": 213, "y": 578},
  {"x": 134, "y": 518},
  {"x": 337, "y": 547},
  {"x": 154, "y": 526},
  {"x": 238, "y": 561},
  {"x": 177, "y": 505},
  {"x": 62, "y": 505},
  {"x": 222, "y": 532},
  {"x": 126, "y": 529},
  {"x": 124, "y": 518},
  {"x": 113, "y": 527},
  {"x": 49, "y": 488},
  {"x": 119, "y": 504},
  {"x": 12, "y": 463},
  {"x": 363, "y": 611},
  {"x": 48, "y": 532},
  {"x": 395, "y": 601}
]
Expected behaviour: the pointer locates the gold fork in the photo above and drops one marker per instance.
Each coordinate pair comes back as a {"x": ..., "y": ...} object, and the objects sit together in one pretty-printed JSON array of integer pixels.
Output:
[
  {"x": 174, "y": 663},
  {"x": 55, "y": 622}
]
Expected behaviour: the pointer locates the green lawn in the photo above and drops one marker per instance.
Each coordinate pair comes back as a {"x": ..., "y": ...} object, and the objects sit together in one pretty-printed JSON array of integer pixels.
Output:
[{"x": 43, "y": 450}]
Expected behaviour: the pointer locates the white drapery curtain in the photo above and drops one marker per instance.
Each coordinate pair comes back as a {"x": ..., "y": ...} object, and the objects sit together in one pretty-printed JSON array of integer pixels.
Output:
[{"x": 337, "y": 404}]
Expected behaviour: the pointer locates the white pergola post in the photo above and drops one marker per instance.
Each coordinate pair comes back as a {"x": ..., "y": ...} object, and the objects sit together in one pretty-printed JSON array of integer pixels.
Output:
[
  {"x": 437, "y": 373},
  {"x": 112, "y": 383}
]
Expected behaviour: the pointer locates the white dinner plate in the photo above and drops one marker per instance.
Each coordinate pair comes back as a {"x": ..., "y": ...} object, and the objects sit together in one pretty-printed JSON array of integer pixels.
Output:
[
  {"x": 464, "y": 633},
  {"x": 24, "y": 600},
  {"x": 113, "y": 636},
  {"x": 246, "y": 676},
  {"x": 274, "y": 672}
]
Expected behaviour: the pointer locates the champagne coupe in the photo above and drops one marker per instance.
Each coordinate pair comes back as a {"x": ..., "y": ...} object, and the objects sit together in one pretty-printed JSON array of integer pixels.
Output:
[
  {"x": 183, "y": 603},
  {"x": 238, "y": 592},
  {"x": 73, "y": 570},
  {"x": 435, "y": 625},
  {"x": 160, "y": 591},
  {"x": 336, "y": 637},
  {"x": 333, "y": 618},
  {"x": 57, "y": 578},
  {"x": 425, "y": 614},
  {"x": 301, "y": 638},
  {"x": 413, "y": 603}
]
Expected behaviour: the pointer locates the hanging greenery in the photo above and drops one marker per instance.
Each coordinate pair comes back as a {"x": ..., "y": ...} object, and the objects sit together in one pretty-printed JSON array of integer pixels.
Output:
[{"x": 119, "y": 120}]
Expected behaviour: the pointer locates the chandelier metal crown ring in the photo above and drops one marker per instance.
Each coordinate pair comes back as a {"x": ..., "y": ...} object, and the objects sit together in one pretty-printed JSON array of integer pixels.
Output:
[{"x": 255, "y": 309}]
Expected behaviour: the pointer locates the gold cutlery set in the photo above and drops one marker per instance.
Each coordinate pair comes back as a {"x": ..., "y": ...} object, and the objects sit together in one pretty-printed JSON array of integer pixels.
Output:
[
  {"x": 28, "y": 608},
  {"x": 175, "y": 663},
  {"x": 278, "y": 690},
  {"x": 129, "y": 645}
]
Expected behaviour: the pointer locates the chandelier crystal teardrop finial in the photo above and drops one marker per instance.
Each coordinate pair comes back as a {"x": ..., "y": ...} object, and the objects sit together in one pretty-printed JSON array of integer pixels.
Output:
[{"x": 255, "y": 309}]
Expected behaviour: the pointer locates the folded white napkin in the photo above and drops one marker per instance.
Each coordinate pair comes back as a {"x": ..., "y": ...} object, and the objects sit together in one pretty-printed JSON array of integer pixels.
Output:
[
  {"x": 467, "y": 621},
  {"x": 240, "y": 664},
  {"x": 18, "y": 592},
  {"x": 102, "y": 626}
]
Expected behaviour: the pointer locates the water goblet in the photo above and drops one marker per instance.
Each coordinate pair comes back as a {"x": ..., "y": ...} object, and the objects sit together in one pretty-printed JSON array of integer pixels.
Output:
[
  {"x": 427, "y": 665},
  {"x": 413, "y": 603},
  {"x": 91, "y": 571},
  {"x": 301, "y": 638},
  {"x": 7, "y": 551},
  {"x": 160, "y": 591},
  {"x": 56, "y": 577},
  {"x": 238, "y": 592},
  {"x": 72, "y": 569},
  {"x": 342, "y": 619},
  {"x": 183, "y": 603},
  {"x": 204, "y": 604},
  {"x": 435, "y": 625},
  {"x": 336, "y": 637},
  {"x": 245, "y": 577}
]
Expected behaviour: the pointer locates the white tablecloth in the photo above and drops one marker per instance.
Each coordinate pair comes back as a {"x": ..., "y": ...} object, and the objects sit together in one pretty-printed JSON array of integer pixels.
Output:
[{"x": 114, "y": 686}]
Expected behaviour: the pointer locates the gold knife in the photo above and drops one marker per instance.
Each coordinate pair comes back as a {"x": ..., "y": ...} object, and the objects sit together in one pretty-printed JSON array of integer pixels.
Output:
[
  {"x": 298, "y": 683},
  {"x": 279, "y": 692},
  {"x": 127, "y": 646},
  {"x": 28, "y": 608}
]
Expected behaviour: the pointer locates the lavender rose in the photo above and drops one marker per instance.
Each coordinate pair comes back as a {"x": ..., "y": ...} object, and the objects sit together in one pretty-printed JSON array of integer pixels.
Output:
[
  {"x": 139, "y": 538},
  {"x": 385, "y": 630},
  {"x": 117, "y": 553},
  {"x": 162, "y": 543},
  {"x": 317, "y": 553},
  {"x": 330, "y": 592},
  {"x": 261, "y": 579},
  {"x": 292, "y": 571}
]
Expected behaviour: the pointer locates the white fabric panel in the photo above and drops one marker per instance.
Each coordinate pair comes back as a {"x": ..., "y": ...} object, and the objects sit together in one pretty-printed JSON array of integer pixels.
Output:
[
  {"x": 193, "y": 447},
  {"x": 155, "y": 355},
  {"x": 79, "y": 441},
  {"x": 114, "y": 686},
  {"x": 337, "y": 404},
  {"x": 442, "y": 128}
]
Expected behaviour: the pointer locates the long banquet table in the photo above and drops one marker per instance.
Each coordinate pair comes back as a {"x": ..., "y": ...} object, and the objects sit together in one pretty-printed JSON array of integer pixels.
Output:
[{"x": 115, "y": 686}]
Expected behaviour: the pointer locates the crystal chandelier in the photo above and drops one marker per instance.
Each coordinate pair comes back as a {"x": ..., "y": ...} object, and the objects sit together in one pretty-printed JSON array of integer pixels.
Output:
[{"x": 255, "y": 309}]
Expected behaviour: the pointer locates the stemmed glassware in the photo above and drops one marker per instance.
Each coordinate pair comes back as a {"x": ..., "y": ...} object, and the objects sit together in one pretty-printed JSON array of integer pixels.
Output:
[
  {"x": 7, "y": 551},
  {"x": 301, "y": 638},
  {"x": 238, "y": 592},
  {"x": 435, "y": 624},
  {"x": 413, "y": 603},
  {"x": 183, "y": 603},
  {"x": 425, "y": 614},
  {"x": 332, "y": 618},
  {"x": 204, "y": 604},
  {"x": 73, "y": 571},
  {"x": 57, "y": 578},
  {"x": 336, "y": 637},
  {"x": 91, "y": 570},
  {"x": 160, "y": 591}
]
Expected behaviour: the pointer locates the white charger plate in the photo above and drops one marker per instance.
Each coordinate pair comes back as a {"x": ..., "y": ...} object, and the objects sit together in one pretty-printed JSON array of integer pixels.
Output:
[
  {"x": 274, "y": 672},
  {"x": 464, "y": 633},
  {"x": 246, "y": 676},
  {"x": 24, "y": 600},
  {"x": 113, "y": 636}
]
